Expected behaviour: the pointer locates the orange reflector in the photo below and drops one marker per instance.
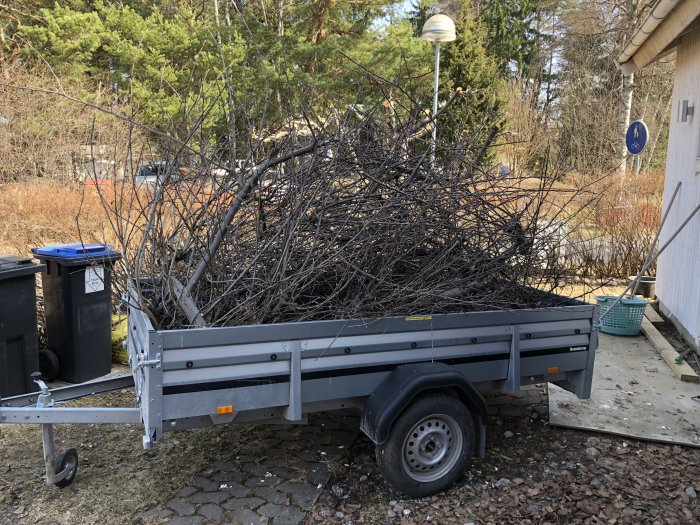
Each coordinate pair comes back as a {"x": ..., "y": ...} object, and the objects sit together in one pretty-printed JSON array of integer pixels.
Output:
[
  {"x": 553, "y": 370},
  {"x": 227, "y": 409}
]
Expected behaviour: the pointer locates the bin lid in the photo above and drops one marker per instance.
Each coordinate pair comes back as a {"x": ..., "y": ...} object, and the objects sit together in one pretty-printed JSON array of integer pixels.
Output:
[
  {"x": 77, "y": 253},
  {"x": 13, "y": 266}
]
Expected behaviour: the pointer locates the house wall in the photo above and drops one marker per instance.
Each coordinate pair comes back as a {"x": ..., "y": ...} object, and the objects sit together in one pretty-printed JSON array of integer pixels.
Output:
[{"x": 678, "y": 275}]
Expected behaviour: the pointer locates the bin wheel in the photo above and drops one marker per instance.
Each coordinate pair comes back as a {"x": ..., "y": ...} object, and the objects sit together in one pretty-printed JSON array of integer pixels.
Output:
[
  {"x": 48, "y": 364},
  {"x": 66, "y": 460},
  {"x": 429, "y": 446}
]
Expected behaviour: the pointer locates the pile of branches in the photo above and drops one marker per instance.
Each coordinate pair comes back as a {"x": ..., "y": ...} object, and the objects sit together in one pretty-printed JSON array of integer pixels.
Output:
[{"x": 352, "y": 218}]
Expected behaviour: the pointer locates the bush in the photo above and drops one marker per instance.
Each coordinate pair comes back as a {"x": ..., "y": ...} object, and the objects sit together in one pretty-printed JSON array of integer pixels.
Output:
[
  {"x": 616, "y": 239},
  {"x": 44, "y": 133}
]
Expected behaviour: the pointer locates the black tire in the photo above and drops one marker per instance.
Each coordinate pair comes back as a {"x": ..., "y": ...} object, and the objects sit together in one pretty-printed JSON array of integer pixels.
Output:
[
  {"x": 69, "y": 460},
  {"x": 48, "y": 364},
  {"x": 429, "y": 446}
]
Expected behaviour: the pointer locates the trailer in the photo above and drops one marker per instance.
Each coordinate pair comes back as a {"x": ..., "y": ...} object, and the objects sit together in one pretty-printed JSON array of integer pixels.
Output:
[{"x": 416, "y": 380}]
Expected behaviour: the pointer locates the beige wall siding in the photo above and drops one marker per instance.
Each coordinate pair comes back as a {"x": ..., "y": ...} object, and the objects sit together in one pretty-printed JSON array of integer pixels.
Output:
[{"x": 678, "y": 279}]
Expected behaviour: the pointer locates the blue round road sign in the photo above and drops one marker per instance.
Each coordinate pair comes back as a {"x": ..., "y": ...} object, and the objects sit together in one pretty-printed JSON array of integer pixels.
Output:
[{"x": 637, "y": 136}]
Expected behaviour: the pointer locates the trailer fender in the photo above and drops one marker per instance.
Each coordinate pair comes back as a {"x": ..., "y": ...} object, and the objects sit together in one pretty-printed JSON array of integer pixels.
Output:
[{"x": 406, "y": 382}]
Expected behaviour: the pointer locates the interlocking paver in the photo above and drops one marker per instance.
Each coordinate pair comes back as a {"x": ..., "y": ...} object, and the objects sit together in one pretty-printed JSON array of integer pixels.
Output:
[
  {"x": 274, "y": 479},
  {"x": 281, "y": 472},
  {"x": 303, "y": 494},
  {"x": 153, "y": 512},
  {"x": 234, "y": 489},
  {"x": 255, "y": 469},
  {"x": 518, "y": 404},
  {"x": 271, "y": 510},
  {"x": 268, "y": 481},
  {"x": 209, "y": 497},
  {"x": 243, "y": 503},
  {"x": 225, "y": 476},
  {"x": 181, "y": 506},
  {"x": 211, "y": 511},
  {"x": 186, "y": 491},
  {"x": 316, "y": 472},
  {"x": 186, "y": 520},
  {"x": 272, "y": 495},
  {"x": 249, "y": 517},
  {"x": 292, "y": 516},
  {"x": 225, "y": 465},
  {"x": 204, "y": 483}
]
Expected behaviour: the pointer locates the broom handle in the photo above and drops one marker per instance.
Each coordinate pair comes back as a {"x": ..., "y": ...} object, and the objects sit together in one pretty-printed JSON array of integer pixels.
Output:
[{"x": 638, "y": 278}]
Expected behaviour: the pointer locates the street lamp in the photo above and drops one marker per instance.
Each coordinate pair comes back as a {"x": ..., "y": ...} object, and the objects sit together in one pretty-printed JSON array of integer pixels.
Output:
[{"x": 437, "y": 28}]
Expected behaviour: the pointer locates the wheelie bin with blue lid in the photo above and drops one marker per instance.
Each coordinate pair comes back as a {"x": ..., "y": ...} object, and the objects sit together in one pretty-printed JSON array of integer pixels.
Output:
[
  {"x": 78, "y": 305},
  {"x": 19, "y": 355}
]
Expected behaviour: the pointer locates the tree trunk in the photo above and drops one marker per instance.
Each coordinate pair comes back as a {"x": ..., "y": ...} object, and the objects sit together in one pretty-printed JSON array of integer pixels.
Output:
[
  {"x": 280, "y": 18},
  {"x": 318, "y": 27},
  {"x": 627, "y": 94},
  {"x": 625, "y": 115},
  {"x": 227, "y": 14},
  {"x": 230, "y": 113}
]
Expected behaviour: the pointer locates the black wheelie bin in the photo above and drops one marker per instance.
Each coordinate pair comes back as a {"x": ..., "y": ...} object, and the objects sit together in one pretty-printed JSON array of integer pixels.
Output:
[
  {"x": 19, "y": 354},
  {"x": 78, "y": 305}
]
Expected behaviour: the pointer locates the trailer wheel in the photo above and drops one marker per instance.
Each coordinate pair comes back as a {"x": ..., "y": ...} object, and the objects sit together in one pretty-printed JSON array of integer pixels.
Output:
[
  {"x": 66, "y": 460},
  {"x": 429, "y": 446},
  {"x": 48, "y": 364}
]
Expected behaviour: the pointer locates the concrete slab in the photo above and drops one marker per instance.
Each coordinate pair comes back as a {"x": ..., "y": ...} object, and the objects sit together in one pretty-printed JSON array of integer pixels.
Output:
[{"x": 634, "y": 394}]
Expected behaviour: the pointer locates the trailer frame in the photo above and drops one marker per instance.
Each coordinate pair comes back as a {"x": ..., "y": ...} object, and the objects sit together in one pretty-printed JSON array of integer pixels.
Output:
[{"x": 191, "y": 378}]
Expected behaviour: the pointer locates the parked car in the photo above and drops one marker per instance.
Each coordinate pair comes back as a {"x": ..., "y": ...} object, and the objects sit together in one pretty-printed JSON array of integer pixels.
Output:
[{"x": 152, "y": 173}]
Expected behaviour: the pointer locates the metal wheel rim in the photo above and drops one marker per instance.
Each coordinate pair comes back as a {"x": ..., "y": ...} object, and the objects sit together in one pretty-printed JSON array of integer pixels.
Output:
[
  {"x": 71, "y": 465},
  {"x": 432, "y": 448}
]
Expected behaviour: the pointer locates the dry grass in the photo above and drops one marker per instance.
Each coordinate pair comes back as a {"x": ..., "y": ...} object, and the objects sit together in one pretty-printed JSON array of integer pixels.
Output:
[
  {"x": 43, "y": 212},
  {"x": 117, "y": 479}
]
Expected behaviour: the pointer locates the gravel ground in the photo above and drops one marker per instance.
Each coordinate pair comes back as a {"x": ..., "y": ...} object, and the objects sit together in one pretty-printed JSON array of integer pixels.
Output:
[
  {"x": 533, "y": 473},
  {"x": 117, "y": 479}
]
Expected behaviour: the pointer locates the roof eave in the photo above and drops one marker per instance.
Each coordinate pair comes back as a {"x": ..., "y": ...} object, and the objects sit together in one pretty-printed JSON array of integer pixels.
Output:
[{"x": 659, "y": 34}]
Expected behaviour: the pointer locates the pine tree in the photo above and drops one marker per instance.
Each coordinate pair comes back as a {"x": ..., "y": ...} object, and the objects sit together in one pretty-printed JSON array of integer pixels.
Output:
[
  {"x": 468, "y": 66},
  {"x": 512, "y": 35}
]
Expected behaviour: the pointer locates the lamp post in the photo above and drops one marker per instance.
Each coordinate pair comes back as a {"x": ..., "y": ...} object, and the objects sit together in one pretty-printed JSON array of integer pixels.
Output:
[{"x": 437, "y": 28}]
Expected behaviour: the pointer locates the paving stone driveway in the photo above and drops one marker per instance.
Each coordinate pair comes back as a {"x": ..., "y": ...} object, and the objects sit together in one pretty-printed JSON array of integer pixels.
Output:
[
  {"x": 276, "y": 486},
  {"x": 280, "y": 483},
  {"x": 529, "y": 400}
]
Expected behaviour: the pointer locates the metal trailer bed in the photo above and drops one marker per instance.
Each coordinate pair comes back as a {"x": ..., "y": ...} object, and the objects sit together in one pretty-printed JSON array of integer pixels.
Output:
[{"x": 403, "y": 372}]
